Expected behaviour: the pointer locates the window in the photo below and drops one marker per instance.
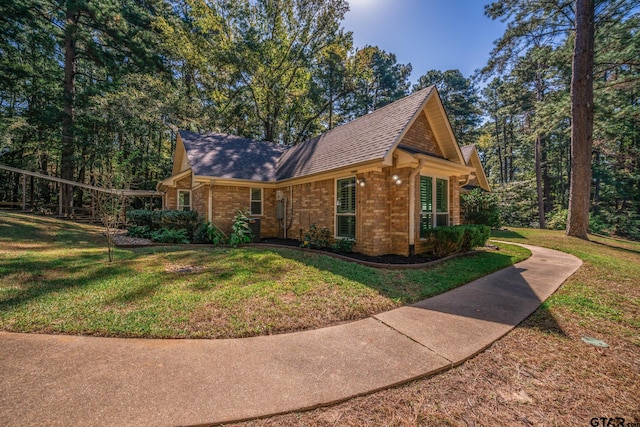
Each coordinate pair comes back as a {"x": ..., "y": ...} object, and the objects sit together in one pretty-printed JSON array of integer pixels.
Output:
[
  {"x": 256, "y": 201},
  {"x": 346, "y": 208},
  {"x": 184, "y": 200},
  {"x": 434, "y": 203}
]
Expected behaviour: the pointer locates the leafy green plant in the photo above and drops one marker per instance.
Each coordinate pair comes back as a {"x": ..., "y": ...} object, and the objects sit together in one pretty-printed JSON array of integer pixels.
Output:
[
  {"x": 137, "y": 231},
  {"x": 165, "y": 235},
  {"x": 240, "y": 230},
  {"x": 317, "y": 238},
  {"x": 480, "y": 207},
  {"x": 444, "y": 241},
  {"x": 343, "y": 246},
  {"x": 475, "y": 236},
  {"x": 557, "y": 219},
  {"x": 169, "y": 219}
]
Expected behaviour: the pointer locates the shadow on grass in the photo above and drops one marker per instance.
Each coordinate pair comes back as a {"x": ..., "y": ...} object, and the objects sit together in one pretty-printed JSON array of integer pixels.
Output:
[
  {"x": 409, "y": 285},
  {"x": 29, "y": 228},
  {"x": 34, "y": 285},
  {"x": 612, "y": 245},
  {"x": 506, "y": 234}
]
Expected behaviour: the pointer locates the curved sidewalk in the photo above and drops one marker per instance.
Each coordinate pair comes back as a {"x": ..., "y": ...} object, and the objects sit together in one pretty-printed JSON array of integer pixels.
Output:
[{"x": 74, "y": 380}]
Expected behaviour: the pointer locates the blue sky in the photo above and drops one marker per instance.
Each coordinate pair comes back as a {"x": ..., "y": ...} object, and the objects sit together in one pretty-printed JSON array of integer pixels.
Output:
[{"x": 429, "y": 34}]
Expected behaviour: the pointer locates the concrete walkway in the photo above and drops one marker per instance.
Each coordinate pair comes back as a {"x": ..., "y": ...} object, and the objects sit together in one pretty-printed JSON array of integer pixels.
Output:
[{"x": 73, "y": 380}]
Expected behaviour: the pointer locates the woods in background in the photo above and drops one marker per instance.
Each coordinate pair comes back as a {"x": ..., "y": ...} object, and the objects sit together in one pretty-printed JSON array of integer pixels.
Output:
[{"x": 89, "y": 88}]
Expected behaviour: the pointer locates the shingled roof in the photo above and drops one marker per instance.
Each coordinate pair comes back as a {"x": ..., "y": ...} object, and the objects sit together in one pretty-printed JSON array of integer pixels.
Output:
[
  {"x": 364, "y": 139},
  {"x": 229, "y": 156},
  {"x": 367, "y": 138}
]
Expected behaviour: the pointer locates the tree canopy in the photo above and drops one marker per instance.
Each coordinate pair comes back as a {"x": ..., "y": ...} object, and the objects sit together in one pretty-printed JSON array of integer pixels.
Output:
[{"x": 89, "y": 88}]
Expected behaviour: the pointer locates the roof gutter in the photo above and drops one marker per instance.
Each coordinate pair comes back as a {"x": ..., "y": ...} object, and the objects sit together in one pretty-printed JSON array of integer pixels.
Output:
[{"x": 412, "y": 206}]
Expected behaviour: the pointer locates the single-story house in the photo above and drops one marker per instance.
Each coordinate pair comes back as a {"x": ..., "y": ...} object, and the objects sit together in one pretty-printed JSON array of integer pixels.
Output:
[{"x": 381, "y": 179}]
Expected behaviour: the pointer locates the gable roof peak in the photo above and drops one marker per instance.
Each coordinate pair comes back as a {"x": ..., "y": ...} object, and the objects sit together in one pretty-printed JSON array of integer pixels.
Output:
[{"x": 366, "y": 138}]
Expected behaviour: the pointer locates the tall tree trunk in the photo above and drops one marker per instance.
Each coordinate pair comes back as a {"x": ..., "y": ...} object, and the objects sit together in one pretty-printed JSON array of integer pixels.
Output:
[
  {"x": 67, "y": 161},
  {"x": 502, "y": 180},
  {"x": 582, "y": 120},
  {"x": 539, "y": 182}
]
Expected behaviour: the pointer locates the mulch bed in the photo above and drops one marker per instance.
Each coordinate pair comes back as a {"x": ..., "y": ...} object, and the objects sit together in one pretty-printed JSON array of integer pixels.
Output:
[
  {"x": 122, "y": 240},
  {"x": 381, "y": 259}
]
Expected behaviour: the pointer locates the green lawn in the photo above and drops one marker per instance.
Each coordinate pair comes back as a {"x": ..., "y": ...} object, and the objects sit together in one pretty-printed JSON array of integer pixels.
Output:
[
  {"x": 55, "y": 278},
  {"x": 604, "y": 294}
]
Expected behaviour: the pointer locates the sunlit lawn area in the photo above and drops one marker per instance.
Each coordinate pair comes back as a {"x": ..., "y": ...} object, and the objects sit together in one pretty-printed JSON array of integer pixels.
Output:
[
  {"x": 540, "y": 374},
  {"x": 605, "y": 293},
  {"x": 55, "y": 278}
]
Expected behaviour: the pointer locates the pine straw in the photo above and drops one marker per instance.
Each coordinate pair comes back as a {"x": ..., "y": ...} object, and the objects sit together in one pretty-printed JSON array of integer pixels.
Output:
[
  {"x": 541, "y": 373},
  {"x": 536, "y": 375}
]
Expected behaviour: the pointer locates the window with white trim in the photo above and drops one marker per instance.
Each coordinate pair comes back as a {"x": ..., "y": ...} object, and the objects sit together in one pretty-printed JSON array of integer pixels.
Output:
[
  {"x": 346, "y": 208},
  {"x": 434, "y": 203},
  {"x": 256, "y": 201},
  {"x": 184, "y": 200}
]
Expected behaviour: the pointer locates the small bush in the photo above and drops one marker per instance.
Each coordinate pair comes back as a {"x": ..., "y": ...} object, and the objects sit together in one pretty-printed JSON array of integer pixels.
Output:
[
  {"x": 215, "y": 235},
  {"x": 137, "y": 231},
  {"x": 480, "y": 207},
  {"x": 169, "y": 219},
  {"x": 317, "y": 238},
  {"x": 343, "y": 246},
  {"x": 557, "y": 219},
  {"x": 475, "y": 236},
  {"x": 240, "y": 230},
  {"x": 165, "y": 235},
  {"x": 144, "y": 218},
  {"x": 445, "y": 241}
]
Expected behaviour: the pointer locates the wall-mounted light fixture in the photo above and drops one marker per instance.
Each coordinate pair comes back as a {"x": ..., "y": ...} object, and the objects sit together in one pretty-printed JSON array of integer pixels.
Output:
[
  {"x": 361, "y": 182},
  {"x": 396, "y": 179}
]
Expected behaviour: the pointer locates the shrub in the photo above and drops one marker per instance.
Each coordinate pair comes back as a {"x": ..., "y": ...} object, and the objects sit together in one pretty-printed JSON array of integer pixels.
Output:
[
  {"x": 240, "y": 230},
  {"x": 143, "y": 217},
  {"x": 200, "y": 235},
  {"x": 444, "y": 241},
  {"x": 215, "y": 235},
  {"x": 169, "y": 219},
  {"x": 317, "y": 238},
  {"x": 343, "y": 246},
  {"x": 137, "y": 231},
  {"x": 480, "y": 207},
  {"x": 165, "y": 235},
  {"x": 557, "y": 219},
  {"x": 475, "y": 236}
]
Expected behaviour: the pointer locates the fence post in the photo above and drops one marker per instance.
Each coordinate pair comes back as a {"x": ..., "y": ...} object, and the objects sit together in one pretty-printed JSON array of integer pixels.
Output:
[{"x": 24, "y": 192}]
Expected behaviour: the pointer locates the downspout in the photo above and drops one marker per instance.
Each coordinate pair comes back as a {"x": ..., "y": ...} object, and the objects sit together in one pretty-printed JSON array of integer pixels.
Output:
[
  {"x": 412, "y": 207},
  {"x": 210, "y": 210}
]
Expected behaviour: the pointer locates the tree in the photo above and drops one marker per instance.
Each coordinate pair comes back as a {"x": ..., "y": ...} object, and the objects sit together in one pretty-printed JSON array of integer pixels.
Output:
[
  {"x": 582, "y": 120},
  {"x": 550, "y": 28},
  {"x": 113, "y": 35},
  {"x": 376, "y": 79},
  {"x": 275, "y": 45},
  {"x": 460, "y": 99}
]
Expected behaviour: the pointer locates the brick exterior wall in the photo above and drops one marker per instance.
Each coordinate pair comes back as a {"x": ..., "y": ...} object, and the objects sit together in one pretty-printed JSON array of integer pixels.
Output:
[
  {"x": 420, "y": 136},
  {"x": 382, "y": 214},
  {"x": 311, "y": 203},
  {"x": 454, "y": 201},
  {"x": 382, "y": 206},
  {"x": 227, "y": 200},
  {"x": 373, "y": 213}
]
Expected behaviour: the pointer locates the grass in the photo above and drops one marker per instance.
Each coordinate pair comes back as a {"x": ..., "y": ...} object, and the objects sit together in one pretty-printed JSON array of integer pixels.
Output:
[
  {"x": 542, "y": 372},
  {"x": 55, "y": 278}
]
